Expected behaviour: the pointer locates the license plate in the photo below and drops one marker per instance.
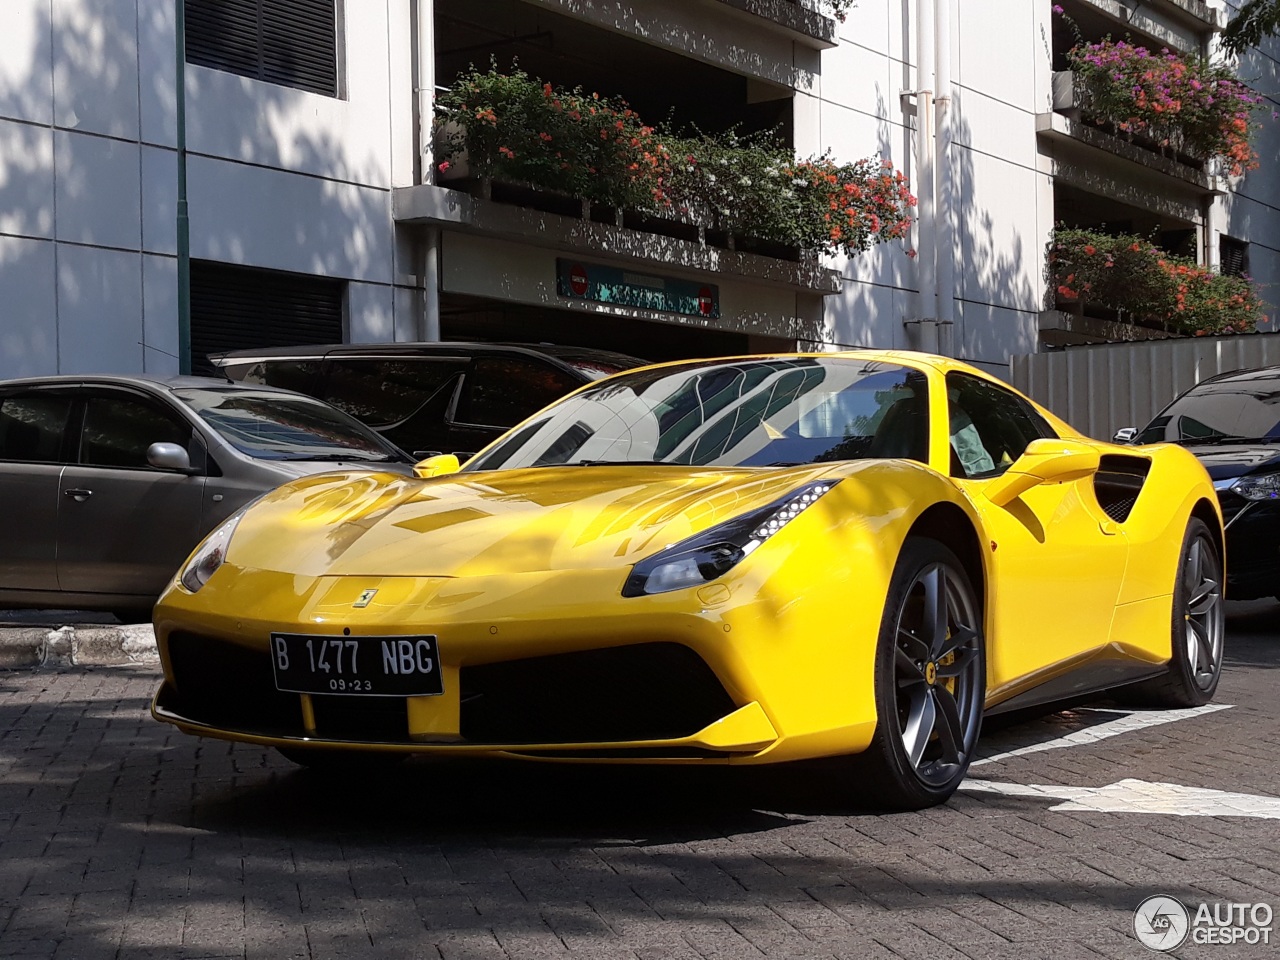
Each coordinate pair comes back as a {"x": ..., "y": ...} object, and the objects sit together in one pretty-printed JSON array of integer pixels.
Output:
[{"x": 366, "y": 666}]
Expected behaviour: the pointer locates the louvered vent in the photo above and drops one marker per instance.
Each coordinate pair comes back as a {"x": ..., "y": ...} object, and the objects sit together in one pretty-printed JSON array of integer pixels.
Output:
[
  {"x": 290, "y": 42},
  {"x": 1235, "y": 257},
  {"x": 236, "y": 308}
]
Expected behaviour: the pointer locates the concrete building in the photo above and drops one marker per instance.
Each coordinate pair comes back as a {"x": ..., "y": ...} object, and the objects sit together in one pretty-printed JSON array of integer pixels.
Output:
[{"x": 313, "y": 218}]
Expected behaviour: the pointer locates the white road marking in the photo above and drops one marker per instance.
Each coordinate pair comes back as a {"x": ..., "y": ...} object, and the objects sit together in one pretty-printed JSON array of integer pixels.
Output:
[
  {"x": 1126, "y": 722},
  {"x": 1140, "y": 796}
]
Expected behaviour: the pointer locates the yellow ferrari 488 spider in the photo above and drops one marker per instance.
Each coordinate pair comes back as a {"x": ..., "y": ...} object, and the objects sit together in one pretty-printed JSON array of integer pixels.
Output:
[{"x": 751, "y": 560}]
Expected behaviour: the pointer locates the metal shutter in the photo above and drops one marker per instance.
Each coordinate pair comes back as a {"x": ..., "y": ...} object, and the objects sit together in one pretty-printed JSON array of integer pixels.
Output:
[
  {"x": 290, "y": 42},
  {"x": 235, "y": 308}
]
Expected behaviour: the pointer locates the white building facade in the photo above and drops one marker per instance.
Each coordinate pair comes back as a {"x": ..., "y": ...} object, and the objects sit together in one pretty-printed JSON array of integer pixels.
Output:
[{"x": 313, "y": 215}]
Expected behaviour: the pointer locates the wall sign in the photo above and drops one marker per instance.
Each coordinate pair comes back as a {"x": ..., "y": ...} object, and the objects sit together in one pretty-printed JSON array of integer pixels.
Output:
[{"x": 578, "y": 280}]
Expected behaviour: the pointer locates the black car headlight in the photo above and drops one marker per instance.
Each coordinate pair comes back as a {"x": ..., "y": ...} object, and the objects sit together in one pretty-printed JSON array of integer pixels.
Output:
[
  {"x": 714, "y": 552},
  {"x": 1265, "y": 486}
]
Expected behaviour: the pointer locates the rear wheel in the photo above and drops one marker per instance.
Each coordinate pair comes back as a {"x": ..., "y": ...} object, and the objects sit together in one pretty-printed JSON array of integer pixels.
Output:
[
  {"x": 1198, "y": 626},
  {"x": 930, "y": 680}
]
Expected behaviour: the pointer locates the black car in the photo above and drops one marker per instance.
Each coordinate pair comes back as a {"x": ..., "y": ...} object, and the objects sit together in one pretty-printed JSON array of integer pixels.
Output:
[
  {"x": 1231, "y": 422},
  {"x": 430, "y": 397}
]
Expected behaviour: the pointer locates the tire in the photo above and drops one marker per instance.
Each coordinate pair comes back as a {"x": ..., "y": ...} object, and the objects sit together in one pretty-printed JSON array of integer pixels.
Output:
[
  {"x": 1198, "y": 627},
  {"x": 930, "y": 681},
  {"x": 330, "y": 761}
]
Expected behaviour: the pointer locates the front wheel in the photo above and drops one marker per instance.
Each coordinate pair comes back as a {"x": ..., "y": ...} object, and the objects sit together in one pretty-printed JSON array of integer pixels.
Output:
[
  {"x": 930, "y": 680},
  {"x": 1198, "y": 627}
]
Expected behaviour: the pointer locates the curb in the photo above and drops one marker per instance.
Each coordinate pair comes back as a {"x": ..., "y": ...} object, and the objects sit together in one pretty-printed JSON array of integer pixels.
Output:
[{"x": 88, "y": 645}]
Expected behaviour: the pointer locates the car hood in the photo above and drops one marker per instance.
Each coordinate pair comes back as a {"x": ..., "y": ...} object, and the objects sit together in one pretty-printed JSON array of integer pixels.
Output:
[
  {"x": 1224, "y": 461},
  {"x": 516, "y": 521},
  {"x": 293, "y": 469}
]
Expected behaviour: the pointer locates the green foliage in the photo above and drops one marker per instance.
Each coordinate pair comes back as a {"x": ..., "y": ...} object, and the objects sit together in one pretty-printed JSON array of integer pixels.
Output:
[
  {"x": 1146, "y": 285},
  {"x": 509, "y": 126},
  {"x": 1254, "y": 21}
]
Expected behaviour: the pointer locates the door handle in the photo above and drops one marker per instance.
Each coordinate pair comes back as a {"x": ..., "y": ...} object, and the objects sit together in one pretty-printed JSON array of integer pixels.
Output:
[{"x": 80, "y": 494}]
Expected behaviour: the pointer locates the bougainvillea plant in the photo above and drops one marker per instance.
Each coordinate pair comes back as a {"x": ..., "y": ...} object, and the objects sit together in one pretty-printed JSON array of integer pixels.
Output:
[
  {"x": 1180, "y": 101},
  {"x": 1145, "y": 284},
  {"x": 510, "y": 126}
]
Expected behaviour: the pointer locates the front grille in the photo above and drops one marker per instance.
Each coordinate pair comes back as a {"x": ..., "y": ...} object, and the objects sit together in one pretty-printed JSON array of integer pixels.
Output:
[
  {"x": 225, "y": 685},
  {"x": 647, "y": 691}
]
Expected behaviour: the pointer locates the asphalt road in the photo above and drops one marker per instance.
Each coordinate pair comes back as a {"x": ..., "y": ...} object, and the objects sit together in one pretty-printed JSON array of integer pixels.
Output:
[{"x": 120, "y": 838}]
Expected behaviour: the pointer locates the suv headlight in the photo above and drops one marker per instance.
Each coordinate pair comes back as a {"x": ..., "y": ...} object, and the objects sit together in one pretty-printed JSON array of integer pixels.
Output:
[
  {"x": 1263, "y": 487},
  {"x": 714, "y": 552},
  {"x": 210, "y": 555}
]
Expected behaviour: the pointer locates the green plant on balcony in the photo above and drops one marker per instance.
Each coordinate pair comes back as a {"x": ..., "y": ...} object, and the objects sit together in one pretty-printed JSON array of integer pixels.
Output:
[
  {"x": 1143, "y": 284},
  {"x": 509, "y": 126},
  {"x": 1177, "y": 101}
]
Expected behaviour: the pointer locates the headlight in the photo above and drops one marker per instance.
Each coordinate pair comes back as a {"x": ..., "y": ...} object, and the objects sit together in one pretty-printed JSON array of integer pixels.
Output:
[
  {"x": 210, "y": 554},
  {"x": 715, "y": 552},
  {"x": 1263, "y": 487}
]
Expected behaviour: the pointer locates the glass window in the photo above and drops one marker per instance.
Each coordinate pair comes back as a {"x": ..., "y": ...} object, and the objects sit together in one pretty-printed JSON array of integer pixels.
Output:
[
  {"x": 383, "y": 392},
  {"x": 300, "y": 375},
  {"x": 502, "y": 391},
  {"x": 118, "y": 430},
  {"x": 32, "y": 427},
  {"x": 990, "y": 426},
  {"x": 754, "y": 413},
  {"x": 1240, "y": 407},
  {"x": 275, "y": 426}
]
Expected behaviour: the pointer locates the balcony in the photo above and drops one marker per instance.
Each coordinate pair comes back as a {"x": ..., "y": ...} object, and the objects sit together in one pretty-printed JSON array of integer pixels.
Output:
[
  {"x": 794, "y": 18},
  {"x": 580, "y": 230},
  {"x": 1067, "y": 124}
]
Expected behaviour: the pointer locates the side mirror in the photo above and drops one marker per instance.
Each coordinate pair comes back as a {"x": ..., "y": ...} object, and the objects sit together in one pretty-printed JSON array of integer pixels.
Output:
[
  {"x": 1044, "y": 461},
  {"x": 169, "y": 456},
  {"x": 437, "y": 466},
  {"x": 1125, "y": 435}
]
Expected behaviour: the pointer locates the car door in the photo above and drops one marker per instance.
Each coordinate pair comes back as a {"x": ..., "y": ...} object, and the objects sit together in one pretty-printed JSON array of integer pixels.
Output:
[
  {"x": 124, "y": 526},
  {"x": 498, "y": 392},
  {"x": 1057, "y": 560},
  {"x": 33, "y": 445}
]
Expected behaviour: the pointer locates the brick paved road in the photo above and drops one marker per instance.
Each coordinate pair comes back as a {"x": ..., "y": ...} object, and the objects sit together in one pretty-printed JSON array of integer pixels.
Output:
[{"x": 122, "y": 839}]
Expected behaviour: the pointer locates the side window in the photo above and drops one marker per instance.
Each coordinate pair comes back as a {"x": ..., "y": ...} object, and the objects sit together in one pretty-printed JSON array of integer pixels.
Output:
[
  {"x": 990, "y": 426},
  {"x": 300, "y": 375},
  {"x": 118, "y": 430},
  {"x": 32, "y": 427},
  {"x": 502, "y": 391},
  {"x": 387, "y": 391}
]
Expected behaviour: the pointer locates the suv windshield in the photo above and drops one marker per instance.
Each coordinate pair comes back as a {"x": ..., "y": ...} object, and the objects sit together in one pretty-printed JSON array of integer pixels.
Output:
[
  {"x": 279, "y": 426},
  {"x": 1234, "y": 409},
  {"x": 754, "y": 413}
]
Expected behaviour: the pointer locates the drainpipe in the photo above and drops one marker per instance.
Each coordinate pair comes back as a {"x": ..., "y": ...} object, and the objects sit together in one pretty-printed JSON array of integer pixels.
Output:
[
  {"x": 926, "y": 222},
  {"x": 183, "y": 221},
  {"x": 946, "y": 217},
  {"x": 424, "y": 94}
]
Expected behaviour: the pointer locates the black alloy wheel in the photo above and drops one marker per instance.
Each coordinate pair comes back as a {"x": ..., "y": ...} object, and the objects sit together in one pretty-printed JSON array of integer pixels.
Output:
[
  {"x": 1198, "y": 626},
  {"x": 930, "y": 680}
]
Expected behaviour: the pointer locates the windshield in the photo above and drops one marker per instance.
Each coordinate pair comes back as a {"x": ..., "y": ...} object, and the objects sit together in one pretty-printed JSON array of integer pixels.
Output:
[
  {"x": 1247, "y": 409},
  {"x": 752, "y": 413},
  {"x": 280, "y": 426}
]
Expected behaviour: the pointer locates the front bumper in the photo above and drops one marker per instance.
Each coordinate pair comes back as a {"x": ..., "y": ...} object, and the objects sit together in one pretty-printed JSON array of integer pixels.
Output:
[
  {"x": 550, "y": 666},
  {"x": 1253, "y": 546}
]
